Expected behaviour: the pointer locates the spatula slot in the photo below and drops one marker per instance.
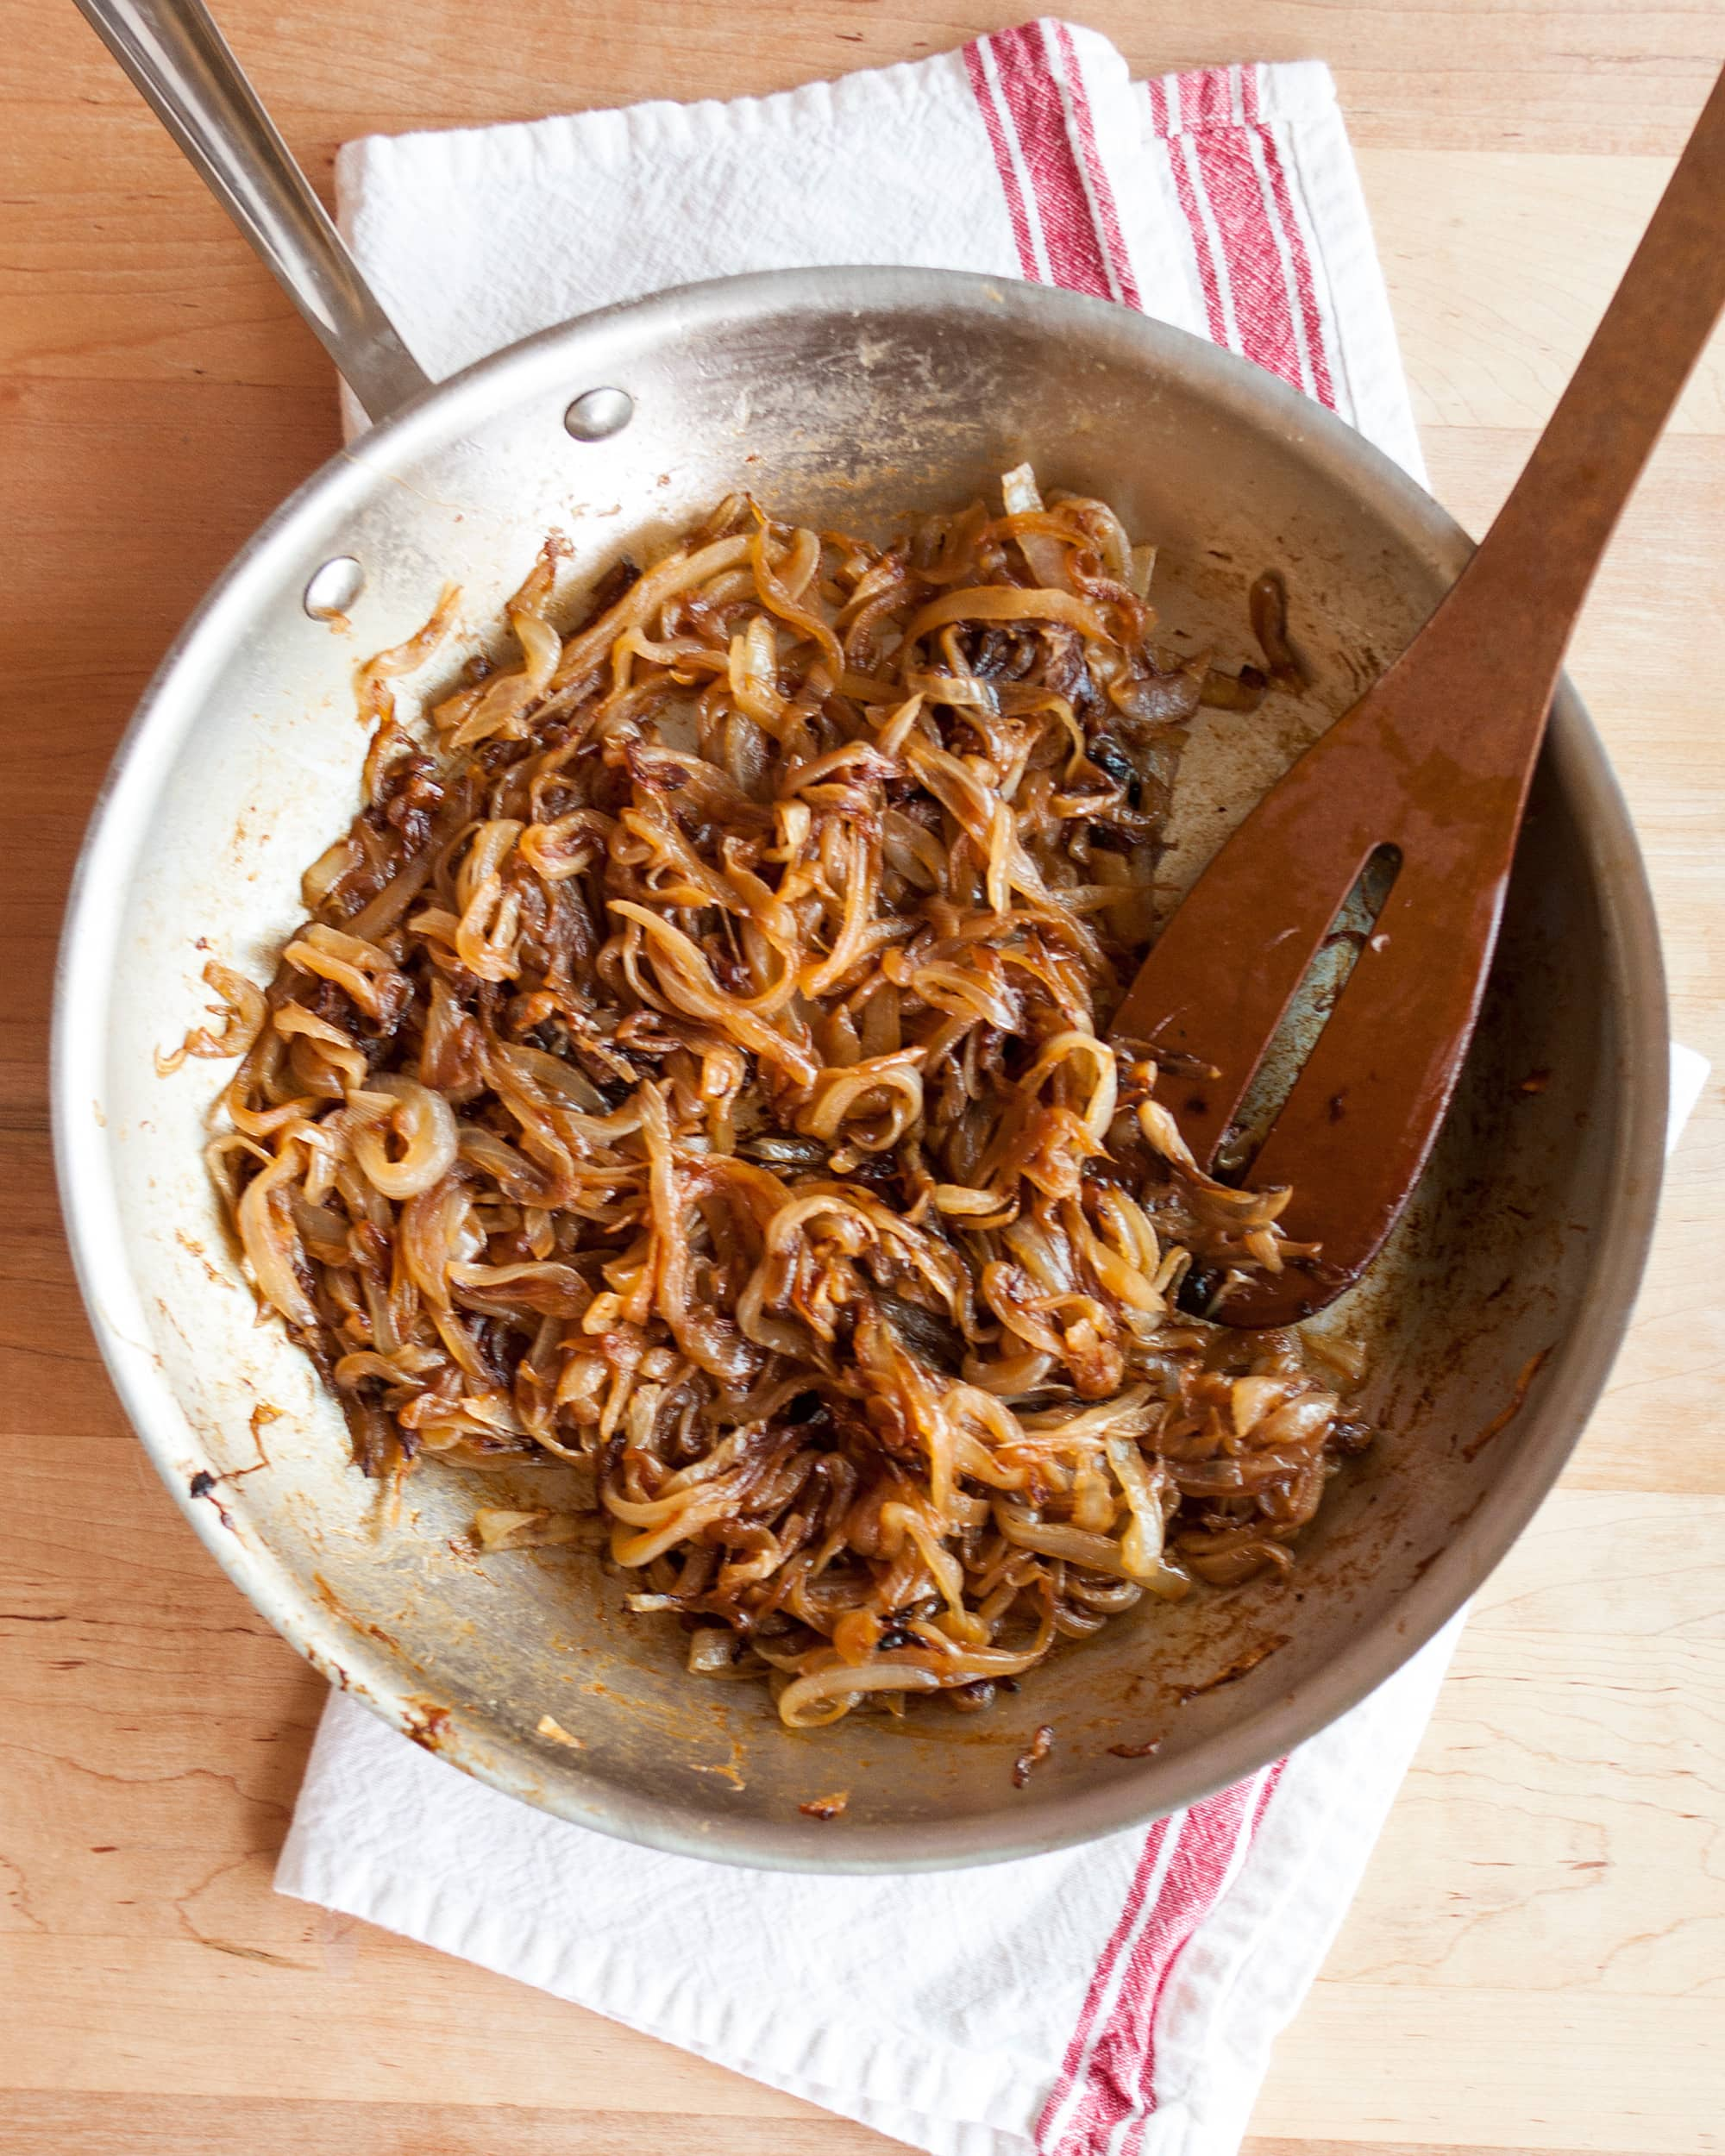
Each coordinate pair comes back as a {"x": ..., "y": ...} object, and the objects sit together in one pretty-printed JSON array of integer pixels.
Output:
[{"x": 1308, "y": 1014}]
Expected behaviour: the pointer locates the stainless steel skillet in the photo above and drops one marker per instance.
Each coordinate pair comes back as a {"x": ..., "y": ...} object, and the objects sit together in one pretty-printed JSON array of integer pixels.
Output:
[{"x": 840, "y": 395}]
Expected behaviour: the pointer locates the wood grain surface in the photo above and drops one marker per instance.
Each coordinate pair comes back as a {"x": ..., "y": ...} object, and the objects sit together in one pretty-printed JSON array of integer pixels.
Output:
[{"x": 1537, "y": 1960}]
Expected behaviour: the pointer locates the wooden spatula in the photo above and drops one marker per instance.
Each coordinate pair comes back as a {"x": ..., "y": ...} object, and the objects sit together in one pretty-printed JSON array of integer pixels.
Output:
[{"x": 1435, "y": 761}]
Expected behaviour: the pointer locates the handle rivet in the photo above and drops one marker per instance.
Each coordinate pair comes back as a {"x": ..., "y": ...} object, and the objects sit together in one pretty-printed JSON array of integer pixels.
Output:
[
  {"x": 332, "y": 590},
  {"x": 599, "y": 414}
]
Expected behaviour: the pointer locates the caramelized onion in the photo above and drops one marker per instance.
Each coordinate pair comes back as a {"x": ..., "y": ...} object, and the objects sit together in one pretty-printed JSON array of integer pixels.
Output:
[
  {"x": 695, "y": 1070},
  {"x": 244, "y": 1016},
  {"x": 1007, "y": 603},
  {"x": 424, "y": 1124}
]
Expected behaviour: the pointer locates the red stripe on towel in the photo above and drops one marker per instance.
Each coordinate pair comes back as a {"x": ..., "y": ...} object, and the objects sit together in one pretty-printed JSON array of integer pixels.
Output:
[
  {"x": 1153, "y": 1860},
  {"x": 1104, "y": 210},
  {"x": 995, "y": 120},
  {"x": 1263, "y": 309},
  {"x": 1037, "y": 110},
  {"x": 1305, "y": 285},
  {"x": 1144, "y": 2085},
  {"x": 1254, "y": 267},
  {"x": 1114, "y": 2088},
  {"x": 1030, "y": 89}
]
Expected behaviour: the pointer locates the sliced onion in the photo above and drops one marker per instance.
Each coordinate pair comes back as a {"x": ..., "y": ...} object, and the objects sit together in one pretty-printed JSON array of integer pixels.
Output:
[
  {"x": 1000, "y": 602},
  {"x": 827, "y": 1695},
  {"x": 1141, "y": 1545},
  {"x": 244, "y": 1016},
  {"x": 1299, "y": 1424},
  {"x": 424, "y": 1124},
  {"x": 272, "y": 1248}
]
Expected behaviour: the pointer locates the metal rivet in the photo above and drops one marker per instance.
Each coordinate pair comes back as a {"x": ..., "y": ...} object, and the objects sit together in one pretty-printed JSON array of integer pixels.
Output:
[
  {"x": 333, "y": 589},
  {"x": 598, "y": 414}
]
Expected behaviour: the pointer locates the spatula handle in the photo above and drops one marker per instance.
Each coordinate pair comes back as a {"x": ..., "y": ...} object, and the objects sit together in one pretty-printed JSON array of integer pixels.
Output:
[{"x": 1520, "y": 596}]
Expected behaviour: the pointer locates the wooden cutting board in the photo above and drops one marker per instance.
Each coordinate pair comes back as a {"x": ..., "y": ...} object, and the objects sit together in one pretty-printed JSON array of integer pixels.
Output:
[{"x": 1537, "y": 1960}]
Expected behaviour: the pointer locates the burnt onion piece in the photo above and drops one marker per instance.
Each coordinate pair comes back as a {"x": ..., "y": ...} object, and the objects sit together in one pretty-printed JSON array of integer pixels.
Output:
[
  {"x": 1241, "y": 692},
  {"x": 935, "y": 1339},
  {"x": 1268, "y": 605},
  {"x": 694, "y": 1068}
]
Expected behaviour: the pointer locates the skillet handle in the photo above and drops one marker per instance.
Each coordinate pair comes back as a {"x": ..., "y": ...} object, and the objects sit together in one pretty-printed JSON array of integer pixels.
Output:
[{"x": 177, "y": 58}]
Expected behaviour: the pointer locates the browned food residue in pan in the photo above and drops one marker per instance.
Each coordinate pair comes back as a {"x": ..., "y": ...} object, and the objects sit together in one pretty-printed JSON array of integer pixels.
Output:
[{"x": 1040, "y": 1745}]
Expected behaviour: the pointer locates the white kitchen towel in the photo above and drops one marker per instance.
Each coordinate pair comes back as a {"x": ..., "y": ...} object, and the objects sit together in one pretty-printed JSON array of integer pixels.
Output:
[
  {"x": 1224, "y": 201},
  {"x": 1118, "y": 2000}
]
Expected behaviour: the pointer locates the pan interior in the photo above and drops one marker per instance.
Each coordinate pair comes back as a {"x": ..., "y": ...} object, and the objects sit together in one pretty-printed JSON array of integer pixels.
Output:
[{"x": 838, "y": 403}]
